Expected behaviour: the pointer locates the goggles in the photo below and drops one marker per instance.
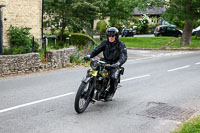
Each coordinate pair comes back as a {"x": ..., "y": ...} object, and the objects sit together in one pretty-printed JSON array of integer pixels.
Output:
[{"x": 111, "y": 35}]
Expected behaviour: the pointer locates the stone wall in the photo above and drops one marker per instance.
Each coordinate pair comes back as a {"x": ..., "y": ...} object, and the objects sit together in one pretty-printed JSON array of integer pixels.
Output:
[
  {"x": 60, "y": 58},
  {"x": 29, "y": 63},
  {"x": 19, "y": 64},
  {"x": 22, "y": 13}
]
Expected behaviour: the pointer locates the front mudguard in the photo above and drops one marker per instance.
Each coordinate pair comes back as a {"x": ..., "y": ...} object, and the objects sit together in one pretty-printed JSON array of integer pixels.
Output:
[{"x": 87, "y": 79}]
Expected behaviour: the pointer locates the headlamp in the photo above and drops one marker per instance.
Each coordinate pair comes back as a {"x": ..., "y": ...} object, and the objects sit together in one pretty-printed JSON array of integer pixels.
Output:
[{"x": 94, "y": 65}]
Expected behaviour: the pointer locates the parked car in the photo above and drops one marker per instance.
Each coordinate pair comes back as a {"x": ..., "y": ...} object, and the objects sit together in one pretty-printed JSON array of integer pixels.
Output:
[
  {"x": 195, "y": 31},
  {"x": 128, "y": 32},
  {"x": 167, "y": 30}
]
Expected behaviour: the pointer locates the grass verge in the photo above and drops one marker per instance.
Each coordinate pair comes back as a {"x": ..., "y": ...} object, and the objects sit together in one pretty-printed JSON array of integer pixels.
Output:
[
  {"x": 195, "y": 44},
  {"x": 191, "y": 126},
  {"x": 146, "y": 42},
  {"x": 159, "y": 43}
]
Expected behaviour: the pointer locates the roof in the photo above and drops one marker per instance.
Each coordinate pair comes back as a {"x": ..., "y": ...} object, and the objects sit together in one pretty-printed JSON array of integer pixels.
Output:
[{"x": 152, "y": 11}]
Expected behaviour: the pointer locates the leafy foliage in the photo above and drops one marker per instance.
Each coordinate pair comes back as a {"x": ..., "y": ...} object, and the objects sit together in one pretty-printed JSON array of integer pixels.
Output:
[
  {"x": 179, "y": 12},
  {"x": 119, "y": 11},
  {"x": 80, "y": 39},
  {"x": 20, "y": 41},
  {"x": 184, "y": 11},
  {"x": 101, "y": 28},
  {"x": 79, "y": 15},
  {"x": 77, "y": 59},
  {"x": 74, "y": 15},
  {"x": 143, "y": 25}
]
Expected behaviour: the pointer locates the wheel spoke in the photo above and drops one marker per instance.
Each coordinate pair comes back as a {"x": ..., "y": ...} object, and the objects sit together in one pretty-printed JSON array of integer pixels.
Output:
[
  {"x": 82, "y": 103},
  {"x": 84, "y": 97}
]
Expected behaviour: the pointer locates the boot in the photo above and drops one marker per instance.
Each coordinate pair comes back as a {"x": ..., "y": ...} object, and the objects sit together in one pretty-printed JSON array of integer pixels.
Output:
[{"x": 109, "y": 97}]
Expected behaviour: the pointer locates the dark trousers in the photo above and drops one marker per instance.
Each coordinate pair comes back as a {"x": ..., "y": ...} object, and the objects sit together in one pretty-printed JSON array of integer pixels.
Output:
[
  {"x": 114, "y": 80},
  {"x": 114, "y": 72}
]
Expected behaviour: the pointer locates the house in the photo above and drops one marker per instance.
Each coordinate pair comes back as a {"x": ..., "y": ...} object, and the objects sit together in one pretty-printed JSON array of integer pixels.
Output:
[
  {"x": 153, "y": 12},
  {"x": 20, "y": 13}
]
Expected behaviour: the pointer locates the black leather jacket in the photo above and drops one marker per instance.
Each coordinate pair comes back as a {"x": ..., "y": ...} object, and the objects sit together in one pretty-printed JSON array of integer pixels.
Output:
[{"x": 113, "y": 52}]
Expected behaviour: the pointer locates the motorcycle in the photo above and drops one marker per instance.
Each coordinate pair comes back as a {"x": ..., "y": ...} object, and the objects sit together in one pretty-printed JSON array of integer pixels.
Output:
[
  {"x": 95, "y": 87},
  {"x": 128, "y": 32}
]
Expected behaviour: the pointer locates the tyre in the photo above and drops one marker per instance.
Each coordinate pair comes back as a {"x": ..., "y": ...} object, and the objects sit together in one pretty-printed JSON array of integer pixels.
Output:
[{"x": 82, "y": 98}]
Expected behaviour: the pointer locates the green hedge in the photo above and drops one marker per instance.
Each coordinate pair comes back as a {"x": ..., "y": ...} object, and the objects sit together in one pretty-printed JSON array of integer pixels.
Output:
[
  {"x": 77, "y": 39},
  {"x": 80, "y": 39},
  {"x": 101, "y": 27}
]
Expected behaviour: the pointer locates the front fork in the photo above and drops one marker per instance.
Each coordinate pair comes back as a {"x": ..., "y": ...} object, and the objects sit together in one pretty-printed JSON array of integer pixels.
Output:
[{"x": 92, "y": 83}]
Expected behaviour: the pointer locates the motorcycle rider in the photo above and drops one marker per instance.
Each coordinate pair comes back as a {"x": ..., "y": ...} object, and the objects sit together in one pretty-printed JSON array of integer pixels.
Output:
[{"x": 115, "y": 54}]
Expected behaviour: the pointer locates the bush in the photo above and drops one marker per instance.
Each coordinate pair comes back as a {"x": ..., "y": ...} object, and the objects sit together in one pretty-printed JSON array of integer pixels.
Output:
[
  {"x": 101, "y": 28},
  {"x": 20, "y": 41},
  {"x": 58, "y": 45},
  {"x": 77, "y": 39},
  {"x": 77, "y": 59},
  {"x": 143, "y": 27}
]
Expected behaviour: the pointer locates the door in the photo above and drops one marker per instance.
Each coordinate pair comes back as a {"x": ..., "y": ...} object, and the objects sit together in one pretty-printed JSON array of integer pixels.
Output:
[{"x": 171, "y": 31}]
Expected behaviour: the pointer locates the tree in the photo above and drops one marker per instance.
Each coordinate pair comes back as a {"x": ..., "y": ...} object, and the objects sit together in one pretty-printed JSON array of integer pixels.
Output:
[
  {"x": 58, "y": 14},
  {"x": 187, "y": 11},
  {"x": 74, "y": 15},
  {"x": 87, "y": 11},
  {"x": 119, "y": 11}
]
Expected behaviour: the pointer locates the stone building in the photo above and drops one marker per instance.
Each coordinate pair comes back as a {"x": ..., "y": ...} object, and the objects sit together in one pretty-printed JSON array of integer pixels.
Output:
[
  {"x": 156, "y": 11},
  {"x": 20, "y": 13}
]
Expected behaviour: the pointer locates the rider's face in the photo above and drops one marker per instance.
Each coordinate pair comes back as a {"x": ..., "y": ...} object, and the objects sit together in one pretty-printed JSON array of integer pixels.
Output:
[{"x": 111, "y": 38}]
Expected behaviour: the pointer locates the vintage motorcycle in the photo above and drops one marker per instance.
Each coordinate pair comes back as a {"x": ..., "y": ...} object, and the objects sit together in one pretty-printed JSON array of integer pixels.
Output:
[{"x": 95, "y": 86}]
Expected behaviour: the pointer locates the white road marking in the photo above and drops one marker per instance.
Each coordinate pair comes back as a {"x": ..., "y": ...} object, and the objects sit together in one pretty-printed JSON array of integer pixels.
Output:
[
  {"x": 35, "y": 102},
  {"x": 159, "y": 55},
  {"x": 198, "y": 63},
  {"x": 56, "y": 97},
  {"x": 143, "y": 76},
  {"x": 179, "y": 68},
  {"x": 140, "y": 59}
]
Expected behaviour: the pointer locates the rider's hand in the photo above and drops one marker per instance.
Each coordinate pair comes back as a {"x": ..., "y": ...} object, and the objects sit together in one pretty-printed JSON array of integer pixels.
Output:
[
  {"x": 116, "y": 65},
  {"x": 87, "y": 57}
]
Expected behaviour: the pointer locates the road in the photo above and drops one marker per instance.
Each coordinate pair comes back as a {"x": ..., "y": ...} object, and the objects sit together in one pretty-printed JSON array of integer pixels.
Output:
[
  {"x": 142, "y": 35},
  {"x": 158, "y": 90}
]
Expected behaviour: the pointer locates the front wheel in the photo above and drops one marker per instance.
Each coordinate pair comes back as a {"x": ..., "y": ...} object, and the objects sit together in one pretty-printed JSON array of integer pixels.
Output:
[{"x": 82, "y": 99}]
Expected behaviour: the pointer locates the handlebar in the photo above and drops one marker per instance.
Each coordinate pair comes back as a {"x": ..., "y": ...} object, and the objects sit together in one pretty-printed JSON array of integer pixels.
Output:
[{"x": 101, "y": 63}]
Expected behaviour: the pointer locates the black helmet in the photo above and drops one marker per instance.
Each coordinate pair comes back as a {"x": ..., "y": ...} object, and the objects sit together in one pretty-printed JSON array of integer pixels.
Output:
[{"x": 112, "y": 31}]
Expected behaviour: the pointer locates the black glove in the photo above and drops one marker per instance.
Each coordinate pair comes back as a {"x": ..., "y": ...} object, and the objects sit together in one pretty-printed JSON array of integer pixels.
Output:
[
  {"x": 116, "y": 65},
  {"x": 87, "y": 57}
]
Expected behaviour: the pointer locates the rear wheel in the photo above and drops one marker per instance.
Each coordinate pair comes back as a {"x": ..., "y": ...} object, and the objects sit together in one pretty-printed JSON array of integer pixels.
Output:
[{"x": 82, "y": 99}]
